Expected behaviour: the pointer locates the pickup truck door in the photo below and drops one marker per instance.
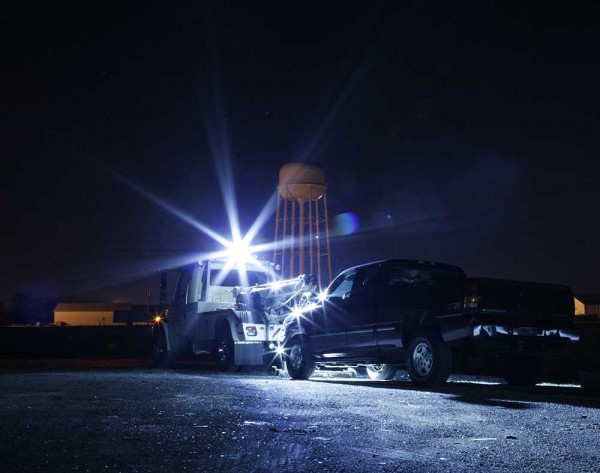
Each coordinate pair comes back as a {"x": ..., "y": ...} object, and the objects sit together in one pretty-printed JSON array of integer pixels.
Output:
[
  {"x": 347, "y": 320},
  {"x": 327, "y": 326},
  {"x": 404, "y": 298},
  {"x": 360, "y": 311},
  {"x": 418, "y": 294}
]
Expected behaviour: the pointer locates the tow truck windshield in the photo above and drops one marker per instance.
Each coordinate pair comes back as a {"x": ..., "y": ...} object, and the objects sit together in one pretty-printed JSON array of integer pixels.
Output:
[{"x": 234, "y": 278}]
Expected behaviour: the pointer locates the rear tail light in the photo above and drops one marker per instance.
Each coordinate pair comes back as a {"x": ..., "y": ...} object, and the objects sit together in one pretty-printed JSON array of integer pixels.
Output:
[
  {"x": 251, "y": 331},
  {"x": 471, "y": 302}
]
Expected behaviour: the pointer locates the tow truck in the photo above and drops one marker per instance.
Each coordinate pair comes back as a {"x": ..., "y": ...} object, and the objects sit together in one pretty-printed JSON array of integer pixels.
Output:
[{"x": 232, "y": 313}]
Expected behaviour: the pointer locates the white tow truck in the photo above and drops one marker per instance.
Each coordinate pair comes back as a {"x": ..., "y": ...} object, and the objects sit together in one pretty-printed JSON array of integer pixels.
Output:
[{"x": 233, "y": 313}]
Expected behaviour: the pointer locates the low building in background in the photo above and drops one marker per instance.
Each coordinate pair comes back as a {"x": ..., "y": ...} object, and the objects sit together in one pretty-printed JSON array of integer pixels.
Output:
[
  {"x": 95, "y": 314},
  {"x": 587, "y": 305}
]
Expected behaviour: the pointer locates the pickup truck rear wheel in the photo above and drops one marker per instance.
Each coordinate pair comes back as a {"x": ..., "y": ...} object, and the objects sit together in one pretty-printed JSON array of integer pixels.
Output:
[
  {"x": 381, "y": 372},
  {"x": 298, "y": 358},
  {"x": 224, "y": 354},
  {"x": 429, "y": 360}
]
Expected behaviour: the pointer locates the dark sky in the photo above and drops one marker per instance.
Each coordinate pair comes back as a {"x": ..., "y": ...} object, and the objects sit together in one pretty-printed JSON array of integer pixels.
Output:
[{"x": 461, "y": 132}]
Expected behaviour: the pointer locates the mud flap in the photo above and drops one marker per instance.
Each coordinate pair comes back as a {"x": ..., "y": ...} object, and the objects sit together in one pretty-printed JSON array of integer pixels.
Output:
[{"x": 248, "y": 353}]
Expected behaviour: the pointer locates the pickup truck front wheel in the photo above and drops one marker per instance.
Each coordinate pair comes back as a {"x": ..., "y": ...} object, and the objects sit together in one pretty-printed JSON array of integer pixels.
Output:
[
  {"x": 298, "y": 358},
  {"x": 429, "y": 360},
  {"x": 381, "y": 372}
]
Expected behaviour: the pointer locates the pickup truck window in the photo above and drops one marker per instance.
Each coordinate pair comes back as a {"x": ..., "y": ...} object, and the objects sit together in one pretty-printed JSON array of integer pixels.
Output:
[
  {"x": 410, "y": 287},
  {"x": 341, "y": 287},
  {"x": 364, "y": 287},
  {"x": 424, "y": 288}
]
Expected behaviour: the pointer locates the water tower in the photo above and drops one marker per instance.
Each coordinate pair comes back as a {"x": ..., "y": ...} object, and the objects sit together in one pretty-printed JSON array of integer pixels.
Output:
[{"x": 301, "y": 223}]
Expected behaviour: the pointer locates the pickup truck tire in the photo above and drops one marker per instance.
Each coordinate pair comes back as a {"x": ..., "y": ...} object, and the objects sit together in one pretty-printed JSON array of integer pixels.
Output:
[
  {"x": 298, "y": 358},
  {"x": 161, "y": 358},
  {"x": 381, "y": 372},
  {"x": 224, "y": 354},
  {"x": 429, "y": 360}
]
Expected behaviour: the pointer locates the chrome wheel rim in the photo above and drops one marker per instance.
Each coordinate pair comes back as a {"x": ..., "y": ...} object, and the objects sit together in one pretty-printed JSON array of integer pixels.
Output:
[
  {"x": 222, "y": 352},
  {"x": 422, "y": 358},
  {"x": 296, "y": 356}
]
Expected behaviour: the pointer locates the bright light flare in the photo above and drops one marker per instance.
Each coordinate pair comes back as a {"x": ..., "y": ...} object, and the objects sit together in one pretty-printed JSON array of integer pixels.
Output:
[
  {"x": 239, "y": 252},
  {"x": 276, "y": 286},
  {"x": 300, "y": 311}
]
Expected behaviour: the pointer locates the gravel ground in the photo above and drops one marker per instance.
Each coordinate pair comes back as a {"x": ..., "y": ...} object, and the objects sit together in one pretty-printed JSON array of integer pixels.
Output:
[{"x": 117, "y": 416}]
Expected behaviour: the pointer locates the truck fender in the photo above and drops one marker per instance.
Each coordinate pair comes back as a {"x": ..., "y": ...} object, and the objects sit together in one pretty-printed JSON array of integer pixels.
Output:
[
  {"x": 162, "y": 329},
  {"x": 293, "y": 329},
  {"x": 417, "y": 323},
  {"x": 224, "y": 325}
]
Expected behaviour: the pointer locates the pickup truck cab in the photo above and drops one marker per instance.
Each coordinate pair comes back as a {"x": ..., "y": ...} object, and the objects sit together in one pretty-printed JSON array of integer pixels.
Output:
[{"x": 382, "y": 315}]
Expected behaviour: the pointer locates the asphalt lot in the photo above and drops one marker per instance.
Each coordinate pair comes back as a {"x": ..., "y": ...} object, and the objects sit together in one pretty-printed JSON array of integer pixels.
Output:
[{"x": 121, "y": 415}]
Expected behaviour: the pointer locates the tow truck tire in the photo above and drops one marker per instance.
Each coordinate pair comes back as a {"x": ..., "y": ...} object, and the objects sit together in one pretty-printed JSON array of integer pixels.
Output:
[
  {"x": 161, "y": 358},
  {"x": 429, "y": 360},
  {"x": 381, "y": 372},
  {"x": 298, "y": 358},
  {"x": 224, "y": 354}
]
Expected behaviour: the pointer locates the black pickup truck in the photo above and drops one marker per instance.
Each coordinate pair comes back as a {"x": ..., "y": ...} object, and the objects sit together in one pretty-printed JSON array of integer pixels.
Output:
[{"x": 427, "y": 317}]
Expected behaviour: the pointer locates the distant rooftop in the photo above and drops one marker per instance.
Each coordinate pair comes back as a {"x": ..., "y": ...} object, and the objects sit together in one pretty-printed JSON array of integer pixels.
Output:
[
  {"x": 91, "y": 307},
  {"x": 589, "y": 299}
]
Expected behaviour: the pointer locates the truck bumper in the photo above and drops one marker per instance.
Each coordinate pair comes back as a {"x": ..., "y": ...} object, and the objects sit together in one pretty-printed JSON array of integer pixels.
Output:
[
  {"x": 505, "y": 340},
  {"x": 249, "y": 353}
]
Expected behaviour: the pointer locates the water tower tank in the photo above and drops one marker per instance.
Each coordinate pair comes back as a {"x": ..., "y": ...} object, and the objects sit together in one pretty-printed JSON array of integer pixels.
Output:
[{"x": 301, "y": 182}]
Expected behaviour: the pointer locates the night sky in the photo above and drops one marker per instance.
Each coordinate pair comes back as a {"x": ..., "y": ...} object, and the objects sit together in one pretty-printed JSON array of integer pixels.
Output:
[{"x": 460, "y": 132}]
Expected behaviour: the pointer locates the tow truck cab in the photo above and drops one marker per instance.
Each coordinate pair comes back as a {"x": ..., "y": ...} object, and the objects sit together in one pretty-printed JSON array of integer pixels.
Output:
[{"x": 205, "y": 317}]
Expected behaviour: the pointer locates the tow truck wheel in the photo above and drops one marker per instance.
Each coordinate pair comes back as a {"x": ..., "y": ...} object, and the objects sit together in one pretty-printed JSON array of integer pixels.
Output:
[
  {"x": 429, "y": 360},
  {"x": 224, "y": 355},
  {"x": 381, "y": 372},
  {"x": 160, "y": 355},
  {"x": 298, "y": 358}
]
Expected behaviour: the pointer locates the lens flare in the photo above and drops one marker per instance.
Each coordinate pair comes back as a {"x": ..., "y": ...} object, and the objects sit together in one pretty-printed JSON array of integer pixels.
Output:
[{"x": 346, "y": 223}]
